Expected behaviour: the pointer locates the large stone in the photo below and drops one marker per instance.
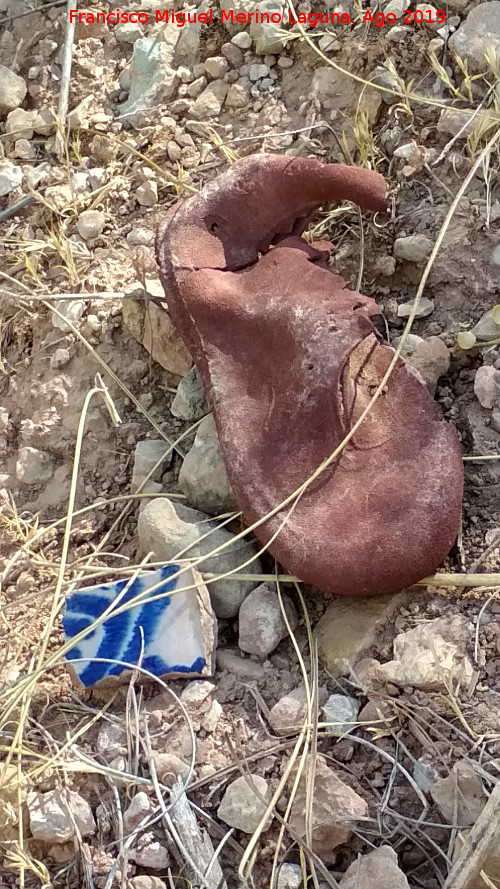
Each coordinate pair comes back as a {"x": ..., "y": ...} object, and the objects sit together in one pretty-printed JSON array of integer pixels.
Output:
[
  {"x": 431, "y": 656},
  {"x": 479, "y": 33},
  {"x": 12, "y": 90},
  {"x": 172, "y": 530},
  {"x": 460, "y": 796},
  {"x": 335, "y": 809},
  {"x": 150, "y": 77},
  {"x": 153, "y": 328},
  {"x": 19, "y": 123},
  {"x": 190, "y": 402},
  {"x": 290, "y": 360},
  {"x": 261, "y": 622},
  {"x": 348, "y": 628},
  {"x": 59, "y": 815},
  {"x": 377, "y": 870},
  {"x": 244, "y": 803},
  {"x": 203, "y": 477},
  {"x": 11, "y": 177}
]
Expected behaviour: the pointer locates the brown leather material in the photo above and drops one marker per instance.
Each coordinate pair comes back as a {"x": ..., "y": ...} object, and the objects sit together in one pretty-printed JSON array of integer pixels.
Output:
[{"x": 289, "y": 358}]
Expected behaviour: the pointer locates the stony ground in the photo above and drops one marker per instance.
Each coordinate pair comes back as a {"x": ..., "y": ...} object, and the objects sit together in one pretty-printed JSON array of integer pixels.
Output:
[{"x": 398, "y": 696}]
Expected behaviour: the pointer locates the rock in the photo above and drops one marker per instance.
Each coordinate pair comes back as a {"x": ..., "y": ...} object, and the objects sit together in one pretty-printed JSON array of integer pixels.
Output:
[
  {"x": 479, "y": 32},
  {"x": 19, "y": 123},
  {"x": 432, "y": 360},
  {"x": 414, "y": 248},
  {"x": 394, "y": 7},
  {"x": 147, "y": 454},
  {"x": 79, "y": 115},
  {"x": 290, "y": 876},
  {"x": 411, "y": 341},
  {"x": 44, "y": 124},
  {"x": 194, "y": 90},
  {"x": 90, "y": 224},
  {"x": 169, "y": 529},
  {"x": 424, "y": 774},
  {"x": 147, "y": 851},
  {"x": 431, "y": 655},
  {"x": 342, "y": 712},
  {"x": 56, "y": 816},
  {"x": 72, "y": 309},
  {"x": 487, "y": 386},
  {"x": 209, "y": 103},
  {"x": 240, "y": 806},
  {"x": 261, "y": 623},
  {"x": 377, "y": 870},
  {"x": 147, "y": 194},
  {"x": 288, "y": 714},
  {"x": 348, "y": 628},
  {"x": 336, "y": 92},
  {"x": 399, "y": 33},
  {"x": 24, "y": 150},
  {"x": 59, "y": 196},
  {"x": 211, "y": 717},
  {"x": 11, "y": 177},
  {"x": 233, "y": 54},
  {"x": 138, "y": 809},
  {"x": 178, "y": 634},
  {"x": 128, "y": 32},
  {"x": 80, "y": 182},
  {"x": 335, "y": 809},
  {"x": 111, "y": 740},
  {"x": 242, "y": 39},
  {"x": 150, "y": 77},
  {"x": 488, "y": 328},
  {"x": 169, "y": 767},
  {"x": 13, "y": 89},
  {"x": 460, "y": 796},
  {"x": 216, "y": 66},
  {"x": 377, "y": 714},
  {"x": 155, "y": 331},
  {"x": 33, "y": 467},
  {"x": 257, "y": 71},
  {"x": 60, "y": 358},
  {"x": 425, "y": 308},
  {"x": 268, "y": 37},
  {"x": 203, "y": 478},
  {"x": 495, "y": 420},
  {"x": 238, "y": 95},
  {"x": 452, "y": 122},
  {"x": 196, "y": 692},
  {"x": 329, "y": 43},
  {"x": 146, "y": 882},
  {"x": 189, "y": 402},
  {"x": 240, "y": 667}
]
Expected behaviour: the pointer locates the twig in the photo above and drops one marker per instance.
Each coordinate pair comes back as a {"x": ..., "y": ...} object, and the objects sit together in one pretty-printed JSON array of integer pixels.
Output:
[
  {"x": 19, "y": 205},
  {"x": 67, "y": 58},
  {"x": 20, "y": 15},
  {"x": 479, "y": 845}
]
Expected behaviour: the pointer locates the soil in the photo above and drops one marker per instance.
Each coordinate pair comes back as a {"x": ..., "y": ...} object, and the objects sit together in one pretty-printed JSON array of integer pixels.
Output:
[{"x": 41, "y": 254}]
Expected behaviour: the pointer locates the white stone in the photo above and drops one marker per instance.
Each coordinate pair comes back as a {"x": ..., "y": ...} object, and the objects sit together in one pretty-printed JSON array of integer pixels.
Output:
[
  {"x": 425, "y": 308},
  {"x": 211, "y": 717},
  {"x": 147, "y": 194},
  {"x": 395, "y": 7},
  {"x": 33, "y": 467},
  {"x": 138, "y": 809},
  {"x": 290, "y": 876},
  {"x": 13, "y": 89},
  {"x": 377, "y": 870},
  {"x": 487, "y": 386},
  {"x": 216, "y": 66},
  {"x": 11, "y": 177},
  {"x": 55, "y": 816},
  {"x": 72, "y": 309},
  {"x": 60, "y": 358},
  {"x": 242, "y": 40},
  {"x": 19, "y": 123},
  {"x": 257, "y": 71},
  {"x": 90, "y": 224},
  {"x": 209, "y": 103},
  {"x": 128, "y": 32},
  {"x": 196, "y": 692},
  {"x": 241, "y": 807},
  {"x": 261, "y": 622},
  {"x": 149, "y": 852}
]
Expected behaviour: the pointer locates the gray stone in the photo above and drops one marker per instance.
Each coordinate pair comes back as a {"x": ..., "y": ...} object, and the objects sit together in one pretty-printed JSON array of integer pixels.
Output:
[
  {"x": 342, "y": 712},
  {"x": 19, "y": 123},
  {"x": 377, "y": 870},
  {"x": 196, "y": 693},
  {"x": 147, "y": 454},
  {"x": 431, "y": 656},
  {"x": 128, "y": 32},
  {"x": 242, "y": 40},
  {"x": 425, "y": 308},
  {"x": 413, "y": 248},
  {"x": 329, "y": 43},
  {"x": 233, "y": 54},
  {"x": 209, "y": 103},
  {"x": 460, "y": 796},
  {"x": 268, "y": 37},
  {"x": 11, "y": 177},
  {"x": 424, "y": 774},
  {"x": 487, "y": 386},
  {"x": 211, "y": 717},
  {"x": 189, "y": 402},
  {"x": 13, "y": 89},
  {"x": 241, "y": 806},
  {"x": 238, "y": 666},
  {"x": 495, "y": 420},
  {"x": 33, "y": 467},
  {"x": 150, "y": 77},
  {"x": 261, "y": 623},
  {"x": 216, "y": 66},
  {"x": 432, "y": 360},
  {"x": 170, "y": 767},
  {"x": 80, "y": 182},
  {"x": 149, "y": 852},
  {"x": 57, "y": 815},
  {"x": 257, "y": 71},
  {"x": 238, "y": 95},
  {"x": 147, "y": 194},
  {"x": 395, "y": 7},
  {"x": 479, "y": 32},
  {"x": 60, "y": 358},
  {"x": 172, "y": 530},
  {"x": 111, "y": 740},
  {"x": 410, "y": 343},
  {"x": 145, "y": 881},
  {"x": 487, "y": 328},
  {"x": 90, "y": 224},
  {"x": 203, "y": 478},
  {"x": 138, "y": 809},
  {"x": 288, "y": 714}
]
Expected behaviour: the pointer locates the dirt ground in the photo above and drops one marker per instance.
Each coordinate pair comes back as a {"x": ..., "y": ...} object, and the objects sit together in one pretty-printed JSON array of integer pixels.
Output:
[{"x": 49, "y": 732}]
